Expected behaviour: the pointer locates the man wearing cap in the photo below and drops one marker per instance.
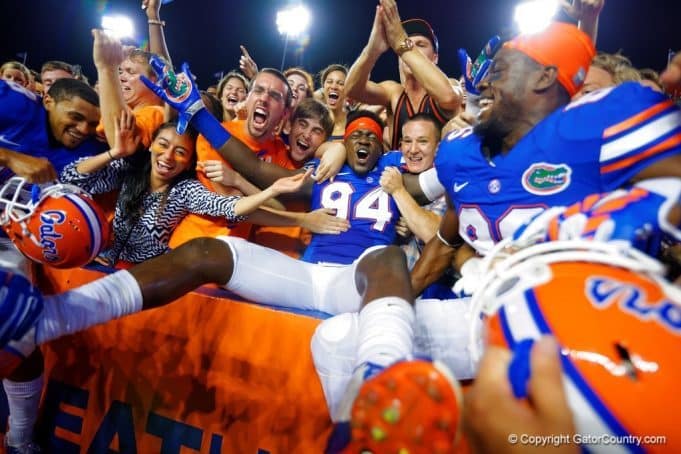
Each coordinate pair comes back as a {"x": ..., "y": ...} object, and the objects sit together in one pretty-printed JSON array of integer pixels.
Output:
[
  {"x": 530, "y": 151},
  {"x": 423, "y": 86}
]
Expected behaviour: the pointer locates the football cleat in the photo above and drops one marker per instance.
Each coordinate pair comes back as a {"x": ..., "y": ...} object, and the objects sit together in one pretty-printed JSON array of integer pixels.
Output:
[
  {"x": 410, "y": 407},
  {"x": 58, "y": 225}
]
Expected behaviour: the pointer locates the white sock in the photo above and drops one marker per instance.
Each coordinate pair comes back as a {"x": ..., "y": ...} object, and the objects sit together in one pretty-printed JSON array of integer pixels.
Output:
[
  {"x": 386, "y": 331},
  {"x": 24, "y": 400},
  {"x": 105, "y": 299}
]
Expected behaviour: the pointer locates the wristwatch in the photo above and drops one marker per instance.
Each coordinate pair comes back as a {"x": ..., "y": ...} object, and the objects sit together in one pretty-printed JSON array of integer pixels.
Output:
[{"x": 404, "y": 46}]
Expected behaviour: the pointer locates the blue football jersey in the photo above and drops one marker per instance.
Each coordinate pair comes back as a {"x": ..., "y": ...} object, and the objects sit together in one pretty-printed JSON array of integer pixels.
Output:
[
  {"x": 24, "y": 128},
  {"x": 372, "y": 213},
  {"x": 23, "y": 120},
  {"x": 593, "y": 145}
]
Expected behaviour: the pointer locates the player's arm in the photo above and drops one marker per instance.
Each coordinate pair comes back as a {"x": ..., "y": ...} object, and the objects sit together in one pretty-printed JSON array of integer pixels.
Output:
[
  {"x": 667, "y": 167},
  {"x": 421, "y": 222},
  {"x": 357, "y": 83},
  {"x": 424, "y": 70},
  {"x": 438, "y": 253},
  {"x": 190, "y": 107},
  {"x": 157, "y": 38},
  {"x": 424, "y": 187},
  {"x": 35, "y": 170}
]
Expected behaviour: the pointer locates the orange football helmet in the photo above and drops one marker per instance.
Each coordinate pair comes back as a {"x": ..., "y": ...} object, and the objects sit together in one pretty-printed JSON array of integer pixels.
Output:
[
  {"x": 58, "y": 225},
  {"x": 618, "y": 324}
]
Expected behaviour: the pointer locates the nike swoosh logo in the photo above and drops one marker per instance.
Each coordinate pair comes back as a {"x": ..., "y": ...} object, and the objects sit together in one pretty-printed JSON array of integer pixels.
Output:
[
  {"x": 458, "y": 187},
  {"x": 7, "y": 141},
  {"x": 343, "y": 173}
]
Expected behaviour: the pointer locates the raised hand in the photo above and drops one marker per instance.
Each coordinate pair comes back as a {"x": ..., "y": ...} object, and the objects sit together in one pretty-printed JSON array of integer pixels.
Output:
[
  {"x": 293, "y": 183},
  {"x": 107, "y": 51},
  {"x": 582, "y": 9},
  {"x": 378, "y": 43},
  {"x": 247, "y": 64},
  {"x": 392, "y": 24},
  {"x": 126, "y": 142},
  {"x": 475, "y": 71},
  {"x": 176, "y": 89}
]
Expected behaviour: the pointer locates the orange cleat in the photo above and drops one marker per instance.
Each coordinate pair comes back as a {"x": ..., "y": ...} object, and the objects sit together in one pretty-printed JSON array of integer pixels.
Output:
[{"x": 409, "y": 408}]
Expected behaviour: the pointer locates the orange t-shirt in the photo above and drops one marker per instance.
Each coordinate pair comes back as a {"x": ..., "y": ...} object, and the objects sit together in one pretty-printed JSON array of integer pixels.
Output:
[
  {"x": 289, "y": 240},
  {"x": 147, "y": 119},
  {"x": 194, "y": 225}
]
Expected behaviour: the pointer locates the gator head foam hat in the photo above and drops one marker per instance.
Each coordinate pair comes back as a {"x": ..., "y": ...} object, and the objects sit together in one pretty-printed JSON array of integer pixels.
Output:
[
  {"x": 421, "y": 27},
  {"x": 563, "y": 46}
]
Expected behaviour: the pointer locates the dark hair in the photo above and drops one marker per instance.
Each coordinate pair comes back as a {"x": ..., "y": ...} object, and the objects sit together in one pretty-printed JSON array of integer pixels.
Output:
[
  {"x": 137, "y": 181},
  {"x": 213, "y": 105},
  {"x": 421, "y": 27},
  {"x": 329, "y": 69},
  {"x": 279, "y": 75},
  {"x": 65, "y": 89},
  {"x": 355, "y": 114},
  {"x": 425, "y": 116},
  {"x": 311, "y": 108},
  {"x": 53, "y": 65}
]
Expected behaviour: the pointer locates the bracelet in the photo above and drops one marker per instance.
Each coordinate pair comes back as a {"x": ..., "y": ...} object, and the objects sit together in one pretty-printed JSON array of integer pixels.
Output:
[
  {"x": 162, "y": 23},
  {"x": 110, "y": 155}
]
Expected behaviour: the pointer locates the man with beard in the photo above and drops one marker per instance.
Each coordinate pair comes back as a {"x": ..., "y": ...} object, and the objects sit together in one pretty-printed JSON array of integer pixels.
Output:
[{"x": 530, "y": 151}]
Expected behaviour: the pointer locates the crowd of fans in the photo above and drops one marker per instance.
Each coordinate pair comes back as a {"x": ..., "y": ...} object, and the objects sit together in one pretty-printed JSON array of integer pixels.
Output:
[{"x": 167, "y": 177}]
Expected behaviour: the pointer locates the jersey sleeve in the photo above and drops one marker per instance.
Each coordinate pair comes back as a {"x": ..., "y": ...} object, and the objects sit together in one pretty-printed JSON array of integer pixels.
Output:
[
  {"x": 22, "y": 120},
  {"x": 451, "y": 147},
  {"x": 633, "y": 125}
]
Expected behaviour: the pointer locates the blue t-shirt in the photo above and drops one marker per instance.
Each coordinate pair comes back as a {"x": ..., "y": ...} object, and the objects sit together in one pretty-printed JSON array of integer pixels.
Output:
[
  {"x": 593, "y": 145},
  {"x": 359, "y": 199}
]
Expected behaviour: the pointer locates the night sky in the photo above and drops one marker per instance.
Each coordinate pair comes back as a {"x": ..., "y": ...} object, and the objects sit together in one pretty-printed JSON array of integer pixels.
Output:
[{"x": 207, "y": 33}]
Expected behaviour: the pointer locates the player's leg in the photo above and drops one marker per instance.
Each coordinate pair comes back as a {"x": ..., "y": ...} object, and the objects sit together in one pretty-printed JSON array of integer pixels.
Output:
[
  {"x": 153, "y": 283},
  {"x": 393, "y": 405},
  {"x": 24, "y": 386},
  {"x": 267, "y": 276}
]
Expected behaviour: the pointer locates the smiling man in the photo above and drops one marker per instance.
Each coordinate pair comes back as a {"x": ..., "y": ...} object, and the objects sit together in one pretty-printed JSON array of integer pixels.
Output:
[{"x": 59, "y": 130}]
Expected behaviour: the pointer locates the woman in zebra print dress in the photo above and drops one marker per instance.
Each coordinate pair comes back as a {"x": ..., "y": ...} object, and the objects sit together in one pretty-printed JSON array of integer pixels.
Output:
[{"x": 159, "y": 188}]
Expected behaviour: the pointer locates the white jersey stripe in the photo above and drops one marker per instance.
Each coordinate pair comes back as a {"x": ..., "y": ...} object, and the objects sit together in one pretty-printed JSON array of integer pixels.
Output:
[{"x": 641, "y": 137}]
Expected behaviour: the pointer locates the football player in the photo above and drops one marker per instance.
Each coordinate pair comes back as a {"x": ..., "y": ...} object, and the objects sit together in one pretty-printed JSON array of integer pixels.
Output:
[{"x": 35, "y": 138}]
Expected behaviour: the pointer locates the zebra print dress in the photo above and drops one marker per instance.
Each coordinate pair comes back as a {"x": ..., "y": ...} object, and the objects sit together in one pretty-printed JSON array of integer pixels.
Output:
[{"x": 146, "y": 237}]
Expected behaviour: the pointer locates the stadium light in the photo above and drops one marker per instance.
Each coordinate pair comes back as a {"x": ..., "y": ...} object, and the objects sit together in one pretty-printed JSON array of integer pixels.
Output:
[
  {"x": 118, "y": 26},
  {"x": 293, "y": 21},
  {"x": 534, "y": 16}
]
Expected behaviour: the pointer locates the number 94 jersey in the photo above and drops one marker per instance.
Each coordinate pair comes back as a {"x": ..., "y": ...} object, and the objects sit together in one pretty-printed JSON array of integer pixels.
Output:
[
  {"x": 593, "y": 145},
  {"x": 371, "y": 212}
]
